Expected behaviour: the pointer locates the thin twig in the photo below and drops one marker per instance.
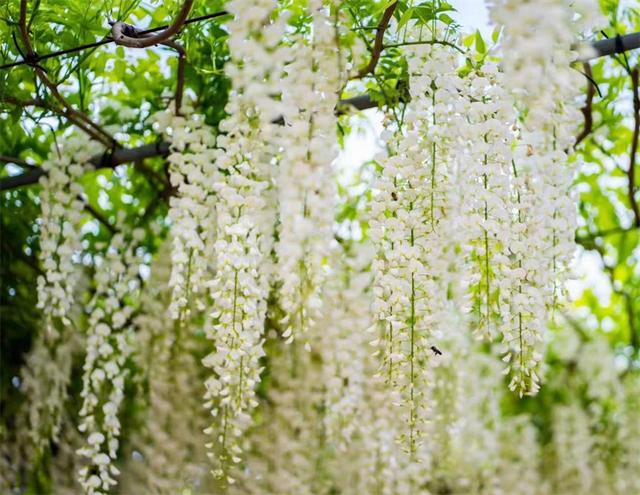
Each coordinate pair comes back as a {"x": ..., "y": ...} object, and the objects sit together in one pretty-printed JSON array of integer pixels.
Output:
[
  {"x": 46, "y": 105},
  {"x": 108, "y": 39},
  {"x": 587, "y": 110},
  {"x": 591, "y": 236},
  {"x": 631, "y": 173},
  {"x": 97, "y": 215},
  {"x": 80, "y": 119},
  {"x": 182, "y": 60},
  {"x": 424, "y": 42},
  {"x": 378, "y": 44}
]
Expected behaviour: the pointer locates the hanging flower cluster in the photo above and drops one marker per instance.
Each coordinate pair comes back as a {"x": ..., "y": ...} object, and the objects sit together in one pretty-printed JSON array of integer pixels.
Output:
[
  {"x": 305, "y": 177},
  {"x": 244, "y": 235},
  {"x": 406, "y": 213},
  {"x": 342, "y": 344},
  {"x": 482, "y": 173},
  {"x": 169, "y": 451},
  {"x": 291, "y": 426},
  {"x": 193, "y": 174},
  {"x": 537, "y": 57},
  {"x": 573, "y": 445},
  {"x": 109, "y": 344},
  {"x": 519, "y": 458},
  {"x": 315, "y": 397},
  {"x": 60, "y": 235},
  {"x": 45, "y": 380}
]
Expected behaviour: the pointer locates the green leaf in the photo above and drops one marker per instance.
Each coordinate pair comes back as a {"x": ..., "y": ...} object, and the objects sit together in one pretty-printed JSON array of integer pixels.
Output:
[
  {"x": 446, "y": 18},
  {"x": 468, "y": 40},
  {"x": 480, "y": 45},
  {"x": 445, "y": 7},
  {"x": 495, "y": 35},
  {"x": 424, "y": 13},
  {"x": 405, "y": 17}
]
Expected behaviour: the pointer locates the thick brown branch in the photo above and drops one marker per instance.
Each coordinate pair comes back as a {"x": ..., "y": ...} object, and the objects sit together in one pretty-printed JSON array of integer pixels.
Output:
[
  {"x": 631, "y": 173},
  {"x": 587, "y": 110},
  {"x": 378, "y": 44},
  {"x": 126, "y": 155},
  {"x": 78, "y": 118},
  {"x": 125, "y": 35},
  {"x": 587, "y": 240},
  {"x": 32, "y": 102},
  {"x": 129, "y": 36},
  {"x": 360, "y": 102}
]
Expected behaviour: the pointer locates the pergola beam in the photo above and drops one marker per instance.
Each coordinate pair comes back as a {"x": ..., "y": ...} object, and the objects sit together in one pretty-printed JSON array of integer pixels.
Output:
[
  {"x": 121, "y": 156},
  {"x": 103, "y": 160},
  {"x": 619, "y": 44}
]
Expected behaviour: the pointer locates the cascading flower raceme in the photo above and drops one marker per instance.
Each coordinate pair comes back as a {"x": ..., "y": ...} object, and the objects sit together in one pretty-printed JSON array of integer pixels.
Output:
[
  {"x": 519, "y": 458},
  {"x": 482, "y": 178},
  {"x": 60, "y": 227},
  {"x": 342, "y": 344},
  {"x": 308, "y": 143},
  {"x": 171, "y": 452},
  {"x": 536, "y": 57},
  {"x": 245, "y": 225},
  {"x": 523, "y": 329},
  {"x": 109, "y": 345},
  {"x": 193, "y": 173},
  {"x": 407, "y": 218},
  {"x": 573, "y": 444},
  {"x": 45, "y": 379}
]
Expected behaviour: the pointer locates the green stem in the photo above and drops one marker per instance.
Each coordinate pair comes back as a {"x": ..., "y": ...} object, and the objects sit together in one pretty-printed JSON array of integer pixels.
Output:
[
  {"x": 412, "y": 359},
  {"x": 433, "y": 162},
  {"x": 486, "y": 245},
  {"x": 235, "y": 302}
]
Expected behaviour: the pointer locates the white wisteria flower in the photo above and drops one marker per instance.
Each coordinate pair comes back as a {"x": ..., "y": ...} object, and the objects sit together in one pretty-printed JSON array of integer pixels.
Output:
[
  {"x": 305, "y": 181},
  {"x": 193, "y": 174},
  {"x": 408, "y": 223},
  {"x": 245, "y": 227},
  {"x": 537, "y": 52},
  {"x": 61, "y": 222},
  {"x": 109, "y": 345}
]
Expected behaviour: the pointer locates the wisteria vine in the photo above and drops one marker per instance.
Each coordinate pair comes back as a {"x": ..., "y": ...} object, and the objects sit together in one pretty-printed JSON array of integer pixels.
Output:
[{"x": 309, "y": 355}]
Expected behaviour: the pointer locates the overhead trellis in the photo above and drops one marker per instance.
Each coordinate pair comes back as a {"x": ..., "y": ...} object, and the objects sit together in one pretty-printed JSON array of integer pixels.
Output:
[{"x": 128, "y": 35}]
